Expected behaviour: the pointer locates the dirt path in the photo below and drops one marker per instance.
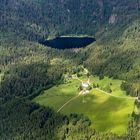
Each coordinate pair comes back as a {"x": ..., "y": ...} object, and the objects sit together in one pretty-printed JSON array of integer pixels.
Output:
[
  {"x": 109, "y": 94},
  {"x": 80, "y": 93},
  {"x": 68, "y": 102}
]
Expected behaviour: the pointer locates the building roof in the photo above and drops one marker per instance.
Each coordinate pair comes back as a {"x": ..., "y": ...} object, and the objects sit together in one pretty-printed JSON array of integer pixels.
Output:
[{"x": 85, "y": 85}]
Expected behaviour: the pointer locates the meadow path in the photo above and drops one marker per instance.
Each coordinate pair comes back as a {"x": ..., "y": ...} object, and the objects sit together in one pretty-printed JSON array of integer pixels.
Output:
[
  {"x": 68, "y": 102},
  {"x": 131, "y": 98},
  {"x": 109, "y": 94}
]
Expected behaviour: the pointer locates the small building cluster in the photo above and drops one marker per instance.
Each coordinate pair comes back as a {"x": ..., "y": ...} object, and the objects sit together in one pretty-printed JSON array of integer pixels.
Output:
[{"x": 86, "y": 88}]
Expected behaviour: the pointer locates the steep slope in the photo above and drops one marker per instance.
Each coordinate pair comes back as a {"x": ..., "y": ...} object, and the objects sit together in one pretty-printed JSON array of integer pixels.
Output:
[
  {"x": 119, "y": 57},
  {"x": 39, "y": 18}
]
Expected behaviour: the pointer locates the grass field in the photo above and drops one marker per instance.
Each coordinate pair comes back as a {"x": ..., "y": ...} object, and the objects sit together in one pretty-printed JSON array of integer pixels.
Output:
[
  {"x": 106, "y": 113},
  {"x": 114, "y": 84},
  {"x": 58, "y": 95}
]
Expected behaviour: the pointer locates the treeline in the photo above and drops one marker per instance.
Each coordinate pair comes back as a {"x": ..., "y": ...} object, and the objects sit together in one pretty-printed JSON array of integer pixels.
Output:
[
  {"x": 132, "y": 87},
  {"x": 119, "y": 59},
  {"x": 26, "y": 69},
  {"x": 28, "y": 80},
  {"x": 22, "y": 120}
]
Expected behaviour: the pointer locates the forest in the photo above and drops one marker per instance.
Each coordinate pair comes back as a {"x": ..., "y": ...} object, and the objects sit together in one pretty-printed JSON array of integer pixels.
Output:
[{"x": 27, "y": 67}]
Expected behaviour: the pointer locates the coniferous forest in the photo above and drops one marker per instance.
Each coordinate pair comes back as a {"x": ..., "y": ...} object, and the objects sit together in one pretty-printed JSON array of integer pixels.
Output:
[{"x": 27, "y": 68}]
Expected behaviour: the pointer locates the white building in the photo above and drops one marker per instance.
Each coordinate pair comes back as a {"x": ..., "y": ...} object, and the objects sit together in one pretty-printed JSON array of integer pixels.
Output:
[{"x": 85, "y": 85}]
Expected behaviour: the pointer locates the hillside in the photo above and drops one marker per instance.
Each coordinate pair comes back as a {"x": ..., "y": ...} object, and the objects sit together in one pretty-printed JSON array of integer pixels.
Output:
[
  {"x": 27, "y": 68},
  {"x": 39, "y": 18}
]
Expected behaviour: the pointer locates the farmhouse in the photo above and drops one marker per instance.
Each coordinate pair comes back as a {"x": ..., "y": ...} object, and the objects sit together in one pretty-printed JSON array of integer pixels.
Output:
[
  {"x": 85, "y": 88},
  {"x": 85, "y": 85},
  {"x": 87, "y": 91}
]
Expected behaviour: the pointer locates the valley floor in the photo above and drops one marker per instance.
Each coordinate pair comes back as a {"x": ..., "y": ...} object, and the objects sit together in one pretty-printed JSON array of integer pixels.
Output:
[{"x": 109, "y": 112}]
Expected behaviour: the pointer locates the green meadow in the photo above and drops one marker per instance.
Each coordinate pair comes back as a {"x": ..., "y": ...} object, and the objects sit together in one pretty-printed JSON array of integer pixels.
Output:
[
  {"x": 114, "y": 84},
  {"x": 107, "y": 113}
]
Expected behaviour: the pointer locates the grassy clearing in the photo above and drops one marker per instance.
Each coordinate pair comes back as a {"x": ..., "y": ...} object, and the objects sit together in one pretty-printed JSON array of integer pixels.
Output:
[
  {"x": 55, "y": 97},
  {"x": 114, "y": 84},
  {"x": 106, "y": 113}
]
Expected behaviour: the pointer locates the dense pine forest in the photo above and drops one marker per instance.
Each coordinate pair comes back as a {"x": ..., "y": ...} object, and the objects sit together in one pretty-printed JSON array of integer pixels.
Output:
[{"x": 27, "y": 67}]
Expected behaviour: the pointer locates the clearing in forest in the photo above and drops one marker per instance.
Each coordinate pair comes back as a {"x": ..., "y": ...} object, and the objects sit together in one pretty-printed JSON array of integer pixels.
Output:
[{"x": 108, "y": 113}]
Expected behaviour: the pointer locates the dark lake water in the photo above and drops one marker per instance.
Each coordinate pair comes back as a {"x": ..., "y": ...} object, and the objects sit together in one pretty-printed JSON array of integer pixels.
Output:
[{"x": 68, "y": 42}]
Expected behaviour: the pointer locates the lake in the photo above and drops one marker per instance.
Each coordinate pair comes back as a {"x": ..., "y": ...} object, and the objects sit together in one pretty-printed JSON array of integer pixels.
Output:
[{"x": 68, "y": 42}]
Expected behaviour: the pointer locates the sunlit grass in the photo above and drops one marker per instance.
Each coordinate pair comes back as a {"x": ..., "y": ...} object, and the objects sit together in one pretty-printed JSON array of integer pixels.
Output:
[{"x": 108, "y": 114}]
